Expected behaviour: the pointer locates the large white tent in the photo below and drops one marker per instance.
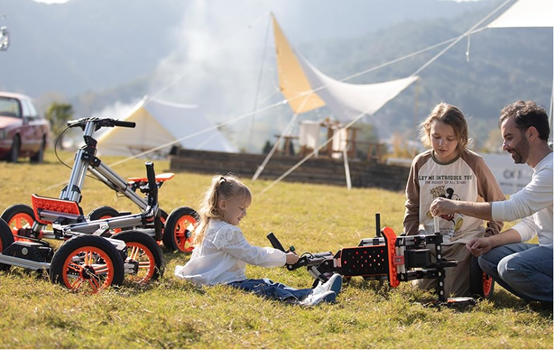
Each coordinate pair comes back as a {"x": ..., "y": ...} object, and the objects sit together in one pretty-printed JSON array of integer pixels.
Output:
[
  {"x": 522, "y": 14},
  {"x": 160, "y": 123},
  {"x": 526, "y": 14},
  {"x": 306, "y": 88},
  {"x": 348, "y": 101}
]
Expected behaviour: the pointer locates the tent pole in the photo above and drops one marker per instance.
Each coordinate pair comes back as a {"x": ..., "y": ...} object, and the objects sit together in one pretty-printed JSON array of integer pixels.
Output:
[
  {"x": 347, "y": 168},
  {"x": 258, "y": 84}
]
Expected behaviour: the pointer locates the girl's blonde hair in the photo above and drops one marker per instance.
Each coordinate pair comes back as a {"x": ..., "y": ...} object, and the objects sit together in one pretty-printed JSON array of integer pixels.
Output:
[
  {"x": 449, "y": 115},
  {"x": 223, "y": 187}
]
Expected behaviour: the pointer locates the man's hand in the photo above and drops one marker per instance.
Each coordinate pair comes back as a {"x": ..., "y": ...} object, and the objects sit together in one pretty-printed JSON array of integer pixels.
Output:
[
  {"x": 443, "y": 206},
  {"x": 479, "y": 246},
  {"x": 292, "y": 258}
]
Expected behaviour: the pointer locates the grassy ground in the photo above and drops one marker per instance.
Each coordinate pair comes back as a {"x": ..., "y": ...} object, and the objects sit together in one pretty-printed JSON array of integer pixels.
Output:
[{"x": 172, "y": 313}]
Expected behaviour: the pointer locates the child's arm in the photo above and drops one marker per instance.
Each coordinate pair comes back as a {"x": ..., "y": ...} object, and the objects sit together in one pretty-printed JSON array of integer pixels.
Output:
[
  {"x": 411, "y": 215},
  {"x": 231, "y": 240}
]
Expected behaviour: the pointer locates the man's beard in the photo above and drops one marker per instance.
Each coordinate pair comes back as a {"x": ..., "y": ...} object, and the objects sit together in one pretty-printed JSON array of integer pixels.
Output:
[{"x": 520, "y": 152}]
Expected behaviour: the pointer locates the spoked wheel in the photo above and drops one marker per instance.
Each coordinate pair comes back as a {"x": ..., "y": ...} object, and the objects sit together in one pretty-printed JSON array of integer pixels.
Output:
[
  {"x": 104, "y": 212},
  {"x": 480, "y": 283},
  {"x": 19, "y": 216},
  {"x": 179, "y": 227},
  {"x": 163, "y": 219},
  {"x": 6, "y": 239},
  {"x": 87, "y": 264},
  {"x": 145, "y": 260}
]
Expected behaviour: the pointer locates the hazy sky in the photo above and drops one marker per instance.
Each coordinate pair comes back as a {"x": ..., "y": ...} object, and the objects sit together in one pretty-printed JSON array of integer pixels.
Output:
[{"x": 62, "y": 1}]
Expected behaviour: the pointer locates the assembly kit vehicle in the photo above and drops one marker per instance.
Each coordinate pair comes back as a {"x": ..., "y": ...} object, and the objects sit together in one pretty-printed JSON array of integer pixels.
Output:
[
  {"x": 100, "y": 248},
  {"x": 394, "y": 259}
]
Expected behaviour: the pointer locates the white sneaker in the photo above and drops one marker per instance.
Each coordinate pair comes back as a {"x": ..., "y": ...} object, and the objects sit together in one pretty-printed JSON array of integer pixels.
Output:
[
  {"x": 333, "y": 284},
  {"x": 314, "y": 299}
]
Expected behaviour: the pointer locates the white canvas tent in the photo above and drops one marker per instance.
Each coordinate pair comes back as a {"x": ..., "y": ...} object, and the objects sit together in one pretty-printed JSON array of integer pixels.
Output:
[
  {"x": 348, "y": 101},
  {"x": 159, "y": 123},
  {"x": 529, "y": 14},
  {"x": 306, "y": 88},
  {"x": 526, "y": 14}
]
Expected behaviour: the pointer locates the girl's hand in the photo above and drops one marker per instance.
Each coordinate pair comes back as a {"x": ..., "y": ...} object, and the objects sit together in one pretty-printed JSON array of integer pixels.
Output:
[{"x": 292, "y": 258}]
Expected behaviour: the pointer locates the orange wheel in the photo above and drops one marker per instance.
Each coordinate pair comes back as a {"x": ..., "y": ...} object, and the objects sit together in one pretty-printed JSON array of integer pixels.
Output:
[
  {"x": 488, "y": 285},
  {"x": 163, "y": 219},
  {"x": 179, "y": 228},
  {"x": 20, "y": 216},
  {"x": 145, "y": 260},
  {"x": 6, "y": 239},
  {"x": 104, "y": 213},
  {"x": 480, "y": 284},
  {"x": 87, "y": 264}
]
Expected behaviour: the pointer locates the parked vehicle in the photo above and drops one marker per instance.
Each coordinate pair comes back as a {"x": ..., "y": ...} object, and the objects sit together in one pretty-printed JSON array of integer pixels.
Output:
[{"x": 23, "y": 131}]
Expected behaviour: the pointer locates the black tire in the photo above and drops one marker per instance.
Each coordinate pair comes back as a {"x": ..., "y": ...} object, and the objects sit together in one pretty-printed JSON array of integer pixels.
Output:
[
  {"x": 480, "y": 284},
  {"x": 102, "y": 212},
  {"x": 177, "y": 235},
  {"x": 141, "y": 249},
  {"x": 18, "y": 216},
  {"x": 14, "y": 151},
  {"x": 6, "y": 239},
  {"x": 70, "y": 269},
  {"x": 39, "y": 156}
]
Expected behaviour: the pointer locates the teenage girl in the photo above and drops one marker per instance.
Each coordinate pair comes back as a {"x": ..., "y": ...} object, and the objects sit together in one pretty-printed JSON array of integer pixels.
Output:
[
  {"x": 221, "y": 252},
  {"x": 452, "y": 171}
]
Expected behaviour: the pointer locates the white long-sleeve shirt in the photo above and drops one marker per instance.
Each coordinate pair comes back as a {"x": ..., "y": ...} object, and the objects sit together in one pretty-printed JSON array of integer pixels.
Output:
[
  {"x": 533, "y": 204},
  {"x": 223, "y": 255}
]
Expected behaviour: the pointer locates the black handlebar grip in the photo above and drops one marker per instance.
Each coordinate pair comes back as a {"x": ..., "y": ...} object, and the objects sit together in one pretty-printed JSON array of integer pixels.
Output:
[
  {"x": 150, "y": 174},
  {"x": 275, "y": 242},
  {"x": 124, "y": 124},
  {"x": 378, "y": 224}
]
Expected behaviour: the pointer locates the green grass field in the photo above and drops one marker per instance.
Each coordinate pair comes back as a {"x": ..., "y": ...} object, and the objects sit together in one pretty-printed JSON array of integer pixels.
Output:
[{"x": 172, "y": 313}]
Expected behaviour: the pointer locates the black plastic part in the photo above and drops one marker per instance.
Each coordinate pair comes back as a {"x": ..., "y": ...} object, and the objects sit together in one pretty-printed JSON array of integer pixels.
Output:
[
  {"x": 417, "y": 258},
  {"x": 29, "y": 251},
  {"x": 124, "y": 124},
  {"x": 275, "y": 242}
]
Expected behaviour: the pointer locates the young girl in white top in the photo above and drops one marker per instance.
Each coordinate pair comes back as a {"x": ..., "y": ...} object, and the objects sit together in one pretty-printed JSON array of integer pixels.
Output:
[{"x": 221, "y": 252}]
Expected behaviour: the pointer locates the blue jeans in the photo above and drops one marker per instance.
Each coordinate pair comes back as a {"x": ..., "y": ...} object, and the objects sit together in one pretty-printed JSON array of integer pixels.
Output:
[
  {"x": 273, "y": 290},
  {"x": 521, "y": 268}
]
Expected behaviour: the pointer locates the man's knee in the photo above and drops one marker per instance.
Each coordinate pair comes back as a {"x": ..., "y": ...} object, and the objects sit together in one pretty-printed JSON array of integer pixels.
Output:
[{"x": 487, "y": 265}]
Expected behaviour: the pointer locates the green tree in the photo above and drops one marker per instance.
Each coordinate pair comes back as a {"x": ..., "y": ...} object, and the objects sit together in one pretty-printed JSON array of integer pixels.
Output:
[{"x": 58, "y": 114}]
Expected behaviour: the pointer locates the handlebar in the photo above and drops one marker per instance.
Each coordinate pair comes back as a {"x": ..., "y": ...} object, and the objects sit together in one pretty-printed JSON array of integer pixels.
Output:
[
  {"x": 275, "y": 242},
  {"x": 100, "y": 123},
  {"x": 305, "y": 260},
  {"x": 150, "y": 175}
]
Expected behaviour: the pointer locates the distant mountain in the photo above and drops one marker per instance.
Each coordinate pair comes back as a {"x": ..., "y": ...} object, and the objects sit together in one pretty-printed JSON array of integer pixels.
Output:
[
  {"x": 86, "y": 45},
  {"x": 111, "y": 54}
]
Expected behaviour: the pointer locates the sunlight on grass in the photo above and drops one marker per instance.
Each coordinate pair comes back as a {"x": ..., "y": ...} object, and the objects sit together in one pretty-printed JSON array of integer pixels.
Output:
[{"x": 172, "y": 313}]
